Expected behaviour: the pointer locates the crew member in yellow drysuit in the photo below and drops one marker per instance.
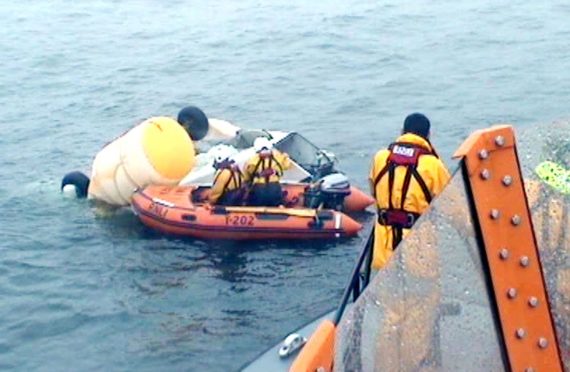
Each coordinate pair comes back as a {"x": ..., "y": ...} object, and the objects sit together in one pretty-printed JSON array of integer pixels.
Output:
[
  {"x": 264, "y": 170},
  {"x": 404, "y": 179},
  {"x": 227, "y": 188},
  {"x": 406, "y": 339}
]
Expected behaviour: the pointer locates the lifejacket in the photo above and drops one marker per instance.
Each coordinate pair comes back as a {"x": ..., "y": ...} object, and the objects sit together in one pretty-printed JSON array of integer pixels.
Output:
[
  {"x": 266, "y": 167},
  {"x": 235, "y": 175},
  {"x": 406, "y": 155}
]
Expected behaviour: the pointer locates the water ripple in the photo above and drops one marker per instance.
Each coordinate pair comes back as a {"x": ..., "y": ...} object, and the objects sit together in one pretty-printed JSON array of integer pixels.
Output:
[{"x": 104, "y": 293}]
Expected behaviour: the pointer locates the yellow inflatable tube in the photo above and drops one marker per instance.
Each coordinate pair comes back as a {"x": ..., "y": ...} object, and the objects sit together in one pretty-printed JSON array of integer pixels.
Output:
[{"x": 157, "y": 151}]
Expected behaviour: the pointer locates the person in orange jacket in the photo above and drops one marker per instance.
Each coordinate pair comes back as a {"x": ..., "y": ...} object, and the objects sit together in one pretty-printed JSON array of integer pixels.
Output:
[
  {"x": 404, "y": 178},
  {"x": 264, "y": 170}
]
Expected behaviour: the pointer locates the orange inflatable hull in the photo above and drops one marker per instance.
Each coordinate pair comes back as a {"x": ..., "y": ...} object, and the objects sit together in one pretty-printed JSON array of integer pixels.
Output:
[
  {"x": 179, "y": 210},
  {"x": 294, "y": 197}
]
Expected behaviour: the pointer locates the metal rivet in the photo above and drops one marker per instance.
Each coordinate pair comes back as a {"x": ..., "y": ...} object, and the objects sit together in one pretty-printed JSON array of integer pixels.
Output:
[
  {"x": 524, "y": 261},
  {"x": 495, "y": 214},
  {"x": 321, "y": 369},
  {"x": 542, "y": 343},
  {"x": 529, "y": 369},
  {"x": 504, "y": 254},
  {"x": 500, "y": 141},
  {"x": 512, "y": 293},
  {"x": 533, "y": 301},
  {"x": 483, "y": 154},
  {"x": 520, "y": 333},
  {"x": 516, "y": 220},
  {"x": 507, "y": 180},
  {"x": 485, "y": 174}
]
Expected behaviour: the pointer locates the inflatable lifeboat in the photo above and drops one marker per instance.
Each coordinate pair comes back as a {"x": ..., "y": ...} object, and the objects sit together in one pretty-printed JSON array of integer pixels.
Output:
[{"x": 181, "y": 210}]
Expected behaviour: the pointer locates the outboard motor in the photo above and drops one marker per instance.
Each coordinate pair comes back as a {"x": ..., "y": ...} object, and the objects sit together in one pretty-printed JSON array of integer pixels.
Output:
[{"x": 328, "y": 192}]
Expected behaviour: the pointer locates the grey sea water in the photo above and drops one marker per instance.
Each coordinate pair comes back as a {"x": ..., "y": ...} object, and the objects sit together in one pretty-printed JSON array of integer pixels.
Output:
[{"x": 81, "y": 292}]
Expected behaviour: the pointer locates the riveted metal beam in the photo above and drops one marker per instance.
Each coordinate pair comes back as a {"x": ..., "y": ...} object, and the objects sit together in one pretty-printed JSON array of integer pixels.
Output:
[{"x": 510, "y": 249}]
